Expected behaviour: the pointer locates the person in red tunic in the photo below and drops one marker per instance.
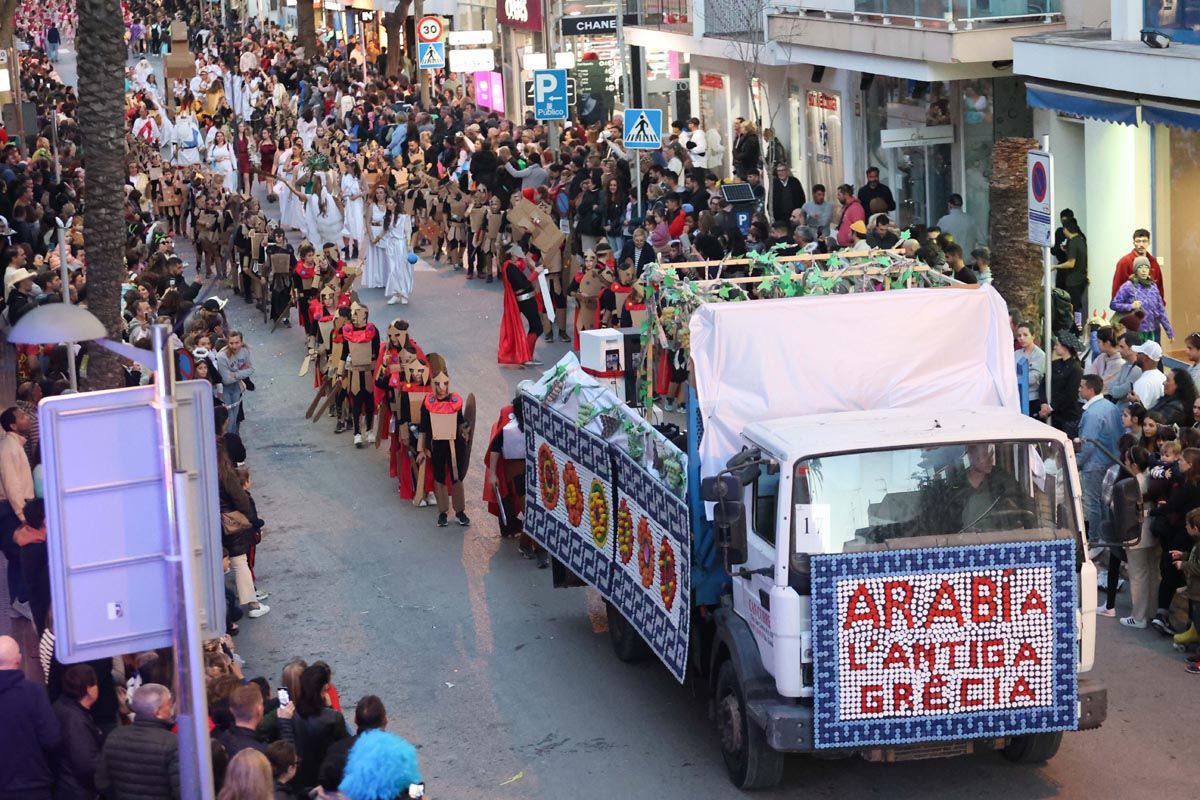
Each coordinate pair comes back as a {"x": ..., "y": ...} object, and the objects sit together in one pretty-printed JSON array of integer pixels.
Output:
[
  {"x": 402, "y": 381},
  {"x": 444, "y": 458},
  {"x": 504, "y": 486},
  {"x": 356, "y": 358},
  {"x": 306, "y": 283},
  {"x": 614, "y": 299}
]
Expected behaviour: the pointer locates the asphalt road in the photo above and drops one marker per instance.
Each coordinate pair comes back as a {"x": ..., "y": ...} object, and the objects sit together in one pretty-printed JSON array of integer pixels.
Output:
[{"x": 508, "y": 686}]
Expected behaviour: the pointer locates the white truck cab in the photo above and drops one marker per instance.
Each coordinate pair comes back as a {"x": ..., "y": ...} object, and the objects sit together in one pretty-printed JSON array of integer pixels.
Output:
[{"x": 900, "y": 481}]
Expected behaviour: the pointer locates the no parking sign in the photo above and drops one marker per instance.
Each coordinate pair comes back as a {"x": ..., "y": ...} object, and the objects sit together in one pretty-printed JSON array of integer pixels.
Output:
[{"x": 1041, "y": 203}]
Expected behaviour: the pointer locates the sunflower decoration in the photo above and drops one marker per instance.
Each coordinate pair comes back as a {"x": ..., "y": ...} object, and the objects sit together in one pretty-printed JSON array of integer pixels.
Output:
[
  {"x": 645, "y": 555},
  {"x": 625, "y": 532},
  {"x": 666, "y": 573},
  {"x": 598, "y": 512},
  {"x": 547, "y": 477},
  {"x": 572, "y": 494}
]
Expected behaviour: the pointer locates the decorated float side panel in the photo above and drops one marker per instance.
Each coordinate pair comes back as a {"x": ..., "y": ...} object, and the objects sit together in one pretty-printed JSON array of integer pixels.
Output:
[
  {"x": 944, "y": 644},
  {"x": 651, "y": 584},
  {"x": 569, "y": 494},
  {"x": 614, "y": 524}
]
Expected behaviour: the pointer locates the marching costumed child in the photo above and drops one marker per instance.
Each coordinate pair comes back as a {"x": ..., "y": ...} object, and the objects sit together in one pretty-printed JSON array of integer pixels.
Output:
[{"x": 443, "y": 443}]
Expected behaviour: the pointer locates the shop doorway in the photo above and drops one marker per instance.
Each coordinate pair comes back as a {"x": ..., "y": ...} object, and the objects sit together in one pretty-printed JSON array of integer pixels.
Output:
[{"x": 919, "y": 169}]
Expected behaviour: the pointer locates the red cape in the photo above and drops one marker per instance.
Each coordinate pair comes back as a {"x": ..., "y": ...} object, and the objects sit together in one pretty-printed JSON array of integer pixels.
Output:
[
  {"x": 514, "y": 346},
  {"x": 492, "y": 480}
]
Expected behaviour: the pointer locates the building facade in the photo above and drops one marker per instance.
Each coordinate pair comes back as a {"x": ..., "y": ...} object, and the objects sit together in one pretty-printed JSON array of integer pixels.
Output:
[{"x": 1123, "y": 118}]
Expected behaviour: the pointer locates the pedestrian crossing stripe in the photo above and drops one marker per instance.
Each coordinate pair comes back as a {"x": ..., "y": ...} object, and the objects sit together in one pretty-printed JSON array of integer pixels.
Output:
[{"x": 642, "y": 132}]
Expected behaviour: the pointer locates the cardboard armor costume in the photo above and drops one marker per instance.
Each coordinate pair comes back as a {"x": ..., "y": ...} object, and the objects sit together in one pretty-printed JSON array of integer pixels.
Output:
[
  {"x": 615, "y": 298},
  {"x": 444, "y": 440}
]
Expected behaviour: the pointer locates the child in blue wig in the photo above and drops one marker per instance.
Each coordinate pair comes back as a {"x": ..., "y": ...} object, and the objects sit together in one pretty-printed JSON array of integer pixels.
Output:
[{"x": 381, "y": 766}]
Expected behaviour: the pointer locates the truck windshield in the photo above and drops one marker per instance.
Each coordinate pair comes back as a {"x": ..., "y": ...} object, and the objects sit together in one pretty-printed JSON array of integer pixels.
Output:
[{"x": 869, "y": 498}]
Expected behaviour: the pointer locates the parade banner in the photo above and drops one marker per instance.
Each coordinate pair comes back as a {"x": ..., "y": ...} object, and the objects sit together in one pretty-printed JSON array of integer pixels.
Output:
[
  {"x": 945, "y": 643},
  {"x": 614, "y": 524}
]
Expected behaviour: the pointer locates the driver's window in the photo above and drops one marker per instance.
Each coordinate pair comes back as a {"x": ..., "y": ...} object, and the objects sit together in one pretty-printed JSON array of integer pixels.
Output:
[{"x": 766, "y": 501}]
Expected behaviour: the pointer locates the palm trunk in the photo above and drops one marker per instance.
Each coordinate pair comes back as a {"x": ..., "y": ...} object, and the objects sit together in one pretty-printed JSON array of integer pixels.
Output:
[
  {"x": 101, "y": 50},
  {"x": 306, "y": 28},
  {"x": 1016, "y": 265}
]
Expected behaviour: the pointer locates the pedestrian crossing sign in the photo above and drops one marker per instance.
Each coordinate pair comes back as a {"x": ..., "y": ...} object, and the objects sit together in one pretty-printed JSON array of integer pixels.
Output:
[
  {"x": 431, "y": 55},
  {"x": 643, "y": 128}
]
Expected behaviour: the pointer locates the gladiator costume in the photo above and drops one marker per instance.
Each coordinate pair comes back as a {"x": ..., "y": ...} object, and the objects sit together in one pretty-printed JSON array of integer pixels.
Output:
[
  {"x": 356, "y": 360},
  {"x": 442, "y": 442}
]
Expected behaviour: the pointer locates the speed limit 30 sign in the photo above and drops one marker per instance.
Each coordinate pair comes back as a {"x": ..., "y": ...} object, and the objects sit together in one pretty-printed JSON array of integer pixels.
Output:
[{"x": 429, "y": 29}]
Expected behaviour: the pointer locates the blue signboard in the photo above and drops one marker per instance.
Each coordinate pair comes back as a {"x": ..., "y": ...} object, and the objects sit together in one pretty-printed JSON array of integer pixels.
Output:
[
  {"x": 431, "y": 55},
  {"x": 550, "y": 94},
  {"x": 970, "y": 642},
  {"x": 643, "y": 128}
]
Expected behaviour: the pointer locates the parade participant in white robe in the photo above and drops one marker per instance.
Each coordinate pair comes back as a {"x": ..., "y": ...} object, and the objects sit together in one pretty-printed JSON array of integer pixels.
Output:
[
  {"x": 140, "y": 71},
  {"x": 400, "y": 272},
  {"x": 145, "y": 127},
  {"x": 187, "y": 139},
  {"x": 352, "y": 197},
  {"x": 375, "y": 256},
  {"x": 322, "y": 212},
  {"x": 223, "y": 161}
]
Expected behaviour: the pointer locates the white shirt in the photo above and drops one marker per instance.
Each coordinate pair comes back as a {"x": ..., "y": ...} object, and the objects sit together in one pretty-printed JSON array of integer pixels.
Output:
[
  {"x": 512, "y": 442},
  {"x": 1149, "y": 387}
]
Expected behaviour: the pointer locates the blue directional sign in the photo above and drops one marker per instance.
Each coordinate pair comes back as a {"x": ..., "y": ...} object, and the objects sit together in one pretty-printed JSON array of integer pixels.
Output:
[
  {"x": 431, "y": 55},
  {"x": 550, "y": 94},
  {"x": 643, "y": 128}
]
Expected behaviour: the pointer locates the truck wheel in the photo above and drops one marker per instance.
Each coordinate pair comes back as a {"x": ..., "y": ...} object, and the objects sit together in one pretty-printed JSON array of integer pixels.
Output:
[
  {"x": 627, "y": 643},
  {"x": 749, "y": 760},
  {"x": 1035, "y": 748}
]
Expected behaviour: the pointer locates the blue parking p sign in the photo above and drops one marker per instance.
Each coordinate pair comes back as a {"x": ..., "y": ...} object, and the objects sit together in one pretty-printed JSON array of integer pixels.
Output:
[
  {"x": 643, "y": 128},
  {"x": 550, "y": 94}
]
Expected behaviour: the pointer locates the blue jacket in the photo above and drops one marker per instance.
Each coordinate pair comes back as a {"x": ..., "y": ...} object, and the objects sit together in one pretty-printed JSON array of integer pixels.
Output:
[
  {"x": 1101, "y": 423},
  {"x": 29, "y": 735}
]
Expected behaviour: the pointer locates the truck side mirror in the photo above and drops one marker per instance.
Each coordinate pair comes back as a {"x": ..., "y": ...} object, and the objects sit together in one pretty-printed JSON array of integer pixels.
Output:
[
  {"x": 729, "y": 515},
  {"x": 745, "y": 464},
  {"x": 1127, "y": 512},
  {"x": 719, "y": 488}
]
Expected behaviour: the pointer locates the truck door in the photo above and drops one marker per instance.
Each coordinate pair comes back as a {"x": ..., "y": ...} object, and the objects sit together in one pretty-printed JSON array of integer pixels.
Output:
[{"x": 752, "y": 592}]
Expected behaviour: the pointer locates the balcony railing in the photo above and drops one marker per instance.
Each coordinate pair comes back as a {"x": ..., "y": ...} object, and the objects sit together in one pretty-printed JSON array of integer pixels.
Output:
[
  {"x": 671, "y": 15},
  {"x": 944, "y": 14},
  {"x": 742, "y": 19}
]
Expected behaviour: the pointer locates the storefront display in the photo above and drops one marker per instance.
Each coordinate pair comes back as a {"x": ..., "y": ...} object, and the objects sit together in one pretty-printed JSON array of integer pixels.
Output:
[{"x": 823, "y": 124}]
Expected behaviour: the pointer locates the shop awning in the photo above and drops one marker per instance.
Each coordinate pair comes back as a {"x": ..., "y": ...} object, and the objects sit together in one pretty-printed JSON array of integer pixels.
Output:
[
  {"x": 1186, "y": 117},
  {"x": 1090, "y": 105}
]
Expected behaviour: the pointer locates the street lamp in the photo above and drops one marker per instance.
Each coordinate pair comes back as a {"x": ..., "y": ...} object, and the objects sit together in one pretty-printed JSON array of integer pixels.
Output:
[{"x": 57, "y": 323}]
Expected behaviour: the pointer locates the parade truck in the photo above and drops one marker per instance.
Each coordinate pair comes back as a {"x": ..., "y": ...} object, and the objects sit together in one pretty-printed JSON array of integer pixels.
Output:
[{"x": 863, "y": 547}]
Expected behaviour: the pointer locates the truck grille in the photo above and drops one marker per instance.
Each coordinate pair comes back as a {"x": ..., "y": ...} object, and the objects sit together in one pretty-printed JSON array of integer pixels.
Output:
[{"x": 919, "y": 752}]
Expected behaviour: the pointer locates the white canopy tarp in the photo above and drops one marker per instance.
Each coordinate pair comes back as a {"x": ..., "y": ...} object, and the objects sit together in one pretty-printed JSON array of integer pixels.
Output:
[{"x": 766, "y": 359}]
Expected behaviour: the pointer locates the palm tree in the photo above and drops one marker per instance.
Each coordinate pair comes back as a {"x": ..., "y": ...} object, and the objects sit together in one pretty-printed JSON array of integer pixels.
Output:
[
  {"x": 101, "y": 54},
  {"x": 1016, "y": 266},
  {"x": 306, "y": 28}
]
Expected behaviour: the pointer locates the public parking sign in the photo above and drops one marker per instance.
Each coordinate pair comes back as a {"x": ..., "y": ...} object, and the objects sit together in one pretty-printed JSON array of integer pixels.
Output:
[
  {"x": 527, "y": 86},
  {"x": 643, "y": 128},
  {"x": 431, "y": 55},
  {"x": 1041, "y": 199},
  {"x": 550, "y": 94}
]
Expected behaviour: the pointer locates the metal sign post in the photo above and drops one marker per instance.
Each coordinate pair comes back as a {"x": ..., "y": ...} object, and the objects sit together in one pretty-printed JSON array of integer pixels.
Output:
[
  {"x": 195, "y": 757},
  {"x": 1041, "y": 232},
  {"x": 626, "y": 91}
]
